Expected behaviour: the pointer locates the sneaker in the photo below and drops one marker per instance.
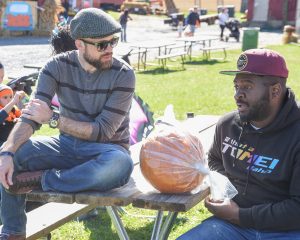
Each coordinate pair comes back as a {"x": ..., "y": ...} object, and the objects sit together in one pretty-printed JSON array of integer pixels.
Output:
[
  {"x": 26, "y": 182},
  {"x": 4, "y": 236}
]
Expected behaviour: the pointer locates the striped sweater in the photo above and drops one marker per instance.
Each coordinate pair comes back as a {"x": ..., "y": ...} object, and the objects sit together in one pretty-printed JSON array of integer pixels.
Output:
[{"x": 102, "y": 98}]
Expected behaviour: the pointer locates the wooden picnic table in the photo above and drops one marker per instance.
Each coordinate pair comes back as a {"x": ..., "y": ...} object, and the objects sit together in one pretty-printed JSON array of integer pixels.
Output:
[
  {"x": 191, "y": 41},
  {"x": 34, "y": 66},
  {"x": 146, "y": 46},
  {"x": 139, "y": 192}
]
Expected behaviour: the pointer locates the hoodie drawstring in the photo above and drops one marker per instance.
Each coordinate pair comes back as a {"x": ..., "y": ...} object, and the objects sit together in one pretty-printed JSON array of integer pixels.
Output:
[
  {"x": 250, "y": 166},
  {"x": 252, "y": 158},
  {"x": 239, "y": 141}
]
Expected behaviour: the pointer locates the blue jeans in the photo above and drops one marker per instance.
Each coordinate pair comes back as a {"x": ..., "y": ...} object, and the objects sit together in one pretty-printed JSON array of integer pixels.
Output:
[
  {"x": 72, "y": 165},
  {"x": 123, "y": 33},
  {"x": 216, "y": 229}
]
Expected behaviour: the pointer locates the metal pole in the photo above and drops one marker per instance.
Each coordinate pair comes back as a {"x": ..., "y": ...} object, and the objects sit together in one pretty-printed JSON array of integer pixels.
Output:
[
  {"x": 157, "y": 225},
  {"x": 114, "y": 216},
  {"x": 167, "y": 226},
  {"x": 298, "y": 17}
]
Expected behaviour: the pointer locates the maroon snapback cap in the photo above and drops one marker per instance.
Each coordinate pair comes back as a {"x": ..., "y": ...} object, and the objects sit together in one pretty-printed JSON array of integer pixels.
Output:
[{"x": 264, "y": 62}]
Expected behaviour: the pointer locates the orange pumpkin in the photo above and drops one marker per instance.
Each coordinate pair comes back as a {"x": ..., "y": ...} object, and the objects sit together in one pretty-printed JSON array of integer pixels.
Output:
[{"x": 170, "y": 160}]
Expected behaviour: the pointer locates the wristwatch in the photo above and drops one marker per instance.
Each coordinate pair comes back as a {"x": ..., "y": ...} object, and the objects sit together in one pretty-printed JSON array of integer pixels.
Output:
[
  {"x": 53, "y": 122},
  {"x": 6, "y": 153}
]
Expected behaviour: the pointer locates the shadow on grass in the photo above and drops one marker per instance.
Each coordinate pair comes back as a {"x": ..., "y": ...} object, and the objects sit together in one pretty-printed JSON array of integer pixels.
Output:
[
  {"x": 160, "y": 70},
  {"x": 205, "y": 62},
  {"x": 100, "y": 227}
]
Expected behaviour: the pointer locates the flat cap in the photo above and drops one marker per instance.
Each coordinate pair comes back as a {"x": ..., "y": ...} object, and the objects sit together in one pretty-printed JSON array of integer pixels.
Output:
[{"x": 93, "y": 23}]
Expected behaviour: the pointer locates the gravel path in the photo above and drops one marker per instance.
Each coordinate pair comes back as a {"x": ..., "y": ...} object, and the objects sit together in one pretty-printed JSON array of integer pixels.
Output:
[{"x": 17, "y": 51}]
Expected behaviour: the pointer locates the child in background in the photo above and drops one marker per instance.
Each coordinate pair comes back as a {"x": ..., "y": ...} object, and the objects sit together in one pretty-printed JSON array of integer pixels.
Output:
[{"x": 9, "y": 113}]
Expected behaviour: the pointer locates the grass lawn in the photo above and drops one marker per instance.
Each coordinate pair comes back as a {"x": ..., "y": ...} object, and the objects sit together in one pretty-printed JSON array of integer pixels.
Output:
[{"x": 199, "y": 89}]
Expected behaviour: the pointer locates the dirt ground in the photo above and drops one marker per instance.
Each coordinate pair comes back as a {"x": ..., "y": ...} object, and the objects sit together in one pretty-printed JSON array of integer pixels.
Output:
[{"x": 17, "y": 51}]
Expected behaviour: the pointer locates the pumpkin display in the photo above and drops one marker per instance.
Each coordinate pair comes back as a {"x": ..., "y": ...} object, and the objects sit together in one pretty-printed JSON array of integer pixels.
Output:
[{"x": 172, "y": 160}]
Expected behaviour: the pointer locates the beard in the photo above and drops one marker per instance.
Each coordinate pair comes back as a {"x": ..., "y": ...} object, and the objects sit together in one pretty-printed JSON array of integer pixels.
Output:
[
  {"x": 98, "y": 63},
  {"x": 259, "y": 111}
]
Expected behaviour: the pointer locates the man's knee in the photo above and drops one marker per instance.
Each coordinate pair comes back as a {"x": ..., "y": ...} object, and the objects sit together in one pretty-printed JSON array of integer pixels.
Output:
[
  {"x": 116, "y": 169},
  {"x": 212, "y": 229}
]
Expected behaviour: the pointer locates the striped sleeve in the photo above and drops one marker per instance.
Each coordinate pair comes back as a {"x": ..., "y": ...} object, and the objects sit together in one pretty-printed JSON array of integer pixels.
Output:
[
  {"x": 46, "y": 87},
  {"x": 116, "y": 108}
]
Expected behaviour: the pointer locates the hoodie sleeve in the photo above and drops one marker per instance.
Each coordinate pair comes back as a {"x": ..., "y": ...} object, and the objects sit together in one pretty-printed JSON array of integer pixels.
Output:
[
  {"x": 3, "y": 115},
  {"x": 280, "y": 216},
  {"x": 215, "y": 162}
]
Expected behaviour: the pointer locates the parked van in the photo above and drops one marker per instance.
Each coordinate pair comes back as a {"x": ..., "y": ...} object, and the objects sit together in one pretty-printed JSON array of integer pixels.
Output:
[{"x": 18, "y": 17}]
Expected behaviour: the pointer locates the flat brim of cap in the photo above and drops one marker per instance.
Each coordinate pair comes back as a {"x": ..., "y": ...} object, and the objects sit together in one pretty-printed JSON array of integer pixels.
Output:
[{"x": 237, "y": 72}]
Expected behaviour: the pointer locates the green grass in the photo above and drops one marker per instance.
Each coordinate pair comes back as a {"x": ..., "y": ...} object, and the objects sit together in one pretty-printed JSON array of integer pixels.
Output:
[{"x": 199, "y": 89}]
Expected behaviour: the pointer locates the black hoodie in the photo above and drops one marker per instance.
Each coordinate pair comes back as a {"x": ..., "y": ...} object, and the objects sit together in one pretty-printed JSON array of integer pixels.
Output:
[{"x": 265, "y": 168}]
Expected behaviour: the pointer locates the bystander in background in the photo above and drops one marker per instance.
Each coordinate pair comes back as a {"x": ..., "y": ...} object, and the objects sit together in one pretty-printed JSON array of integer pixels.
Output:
[
  {"x": 192, "y": 20},
  {"x": 223, "y": 18},
  {"x": 123, "y": 19}
]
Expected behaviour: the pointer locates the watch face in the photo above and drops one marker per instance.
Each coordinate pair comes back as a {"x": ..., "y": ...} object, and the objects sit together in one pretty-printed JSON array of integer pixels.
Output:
[{"x": 53, "y": 123}]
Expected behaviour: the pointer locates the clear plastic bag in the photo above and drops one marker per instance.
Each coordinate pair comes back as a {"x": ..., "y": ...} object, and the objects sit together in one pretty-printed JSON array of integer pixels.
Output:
[
  {"x": 173, "y": 160},
  {"x": 220, "y": 187}
]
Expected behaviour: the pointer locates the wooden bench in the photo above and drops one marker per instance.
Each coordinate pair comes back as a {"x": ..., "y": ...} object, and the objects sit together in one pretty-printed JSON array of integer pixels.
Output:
[
  {"x": 163, "y": 58},
  {"x": 207, "y": 52},
  {"x": 43, "y": 220},
  {"x": 65, "y": 206},
  {"x": 209, "y": 19},
  {"x": 48, "y": 217}
]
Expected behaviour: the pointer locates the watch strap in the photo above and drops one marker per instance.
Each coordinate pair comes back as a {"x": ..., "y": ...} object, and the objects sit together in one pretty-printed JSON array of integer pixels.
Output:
[{"x": 6, "y": 153}]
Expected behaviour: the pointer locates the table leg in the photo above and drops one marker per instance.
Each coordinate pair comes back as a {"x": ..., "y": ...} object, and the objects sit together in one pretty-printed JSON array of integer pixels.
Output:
[
  {"x": 145, "y": 59},
  {"x": 115, "y": 218},
  {"x": 191, "y": 50},
  {"x": 167, "y": 226},
  {"x": 159, "y": 51},
  {"x": 157, "y": 225},
  {"x": 139, "y": 57},
  {"x": 161, "y": 230}
]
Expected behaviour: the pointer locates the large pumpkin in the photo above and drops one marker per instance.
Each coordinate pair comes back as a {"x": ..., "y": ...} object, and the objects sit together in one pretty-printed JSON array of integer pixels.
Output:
[{"x": 170, "y": 160}]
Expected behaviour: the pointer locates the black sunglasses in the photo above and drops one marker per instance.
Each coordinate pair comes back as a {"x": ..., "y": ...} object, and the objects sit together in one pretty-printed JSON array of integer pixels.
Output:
[{"x": 101, "y": 46}]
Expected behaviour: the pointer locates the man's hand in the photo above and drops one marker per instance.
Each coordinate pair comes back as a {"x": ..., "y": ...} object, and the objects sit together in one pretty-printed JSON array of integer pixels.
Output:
[
  {"x": 227, "y": 210},
  {"x": 6, "y": 171},
  {"x": 38, "y": 111}
]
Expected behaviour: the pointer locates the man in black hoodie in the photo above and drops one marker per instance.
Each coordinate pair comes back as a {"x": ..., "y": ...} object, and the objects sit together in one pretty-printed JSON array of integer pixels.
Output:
[{"x": 258, "y": 148}]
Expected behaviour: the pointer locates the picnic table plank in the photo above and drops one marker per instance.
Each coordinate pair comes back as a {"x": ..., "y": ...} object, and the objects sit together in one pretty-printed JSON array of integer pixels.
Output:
[
  {"x": 201, "y": 123},
  {"x": 116, "y": 197},
  {"x": 41, "y": 196},
  {"x": 150, "y": 198}
]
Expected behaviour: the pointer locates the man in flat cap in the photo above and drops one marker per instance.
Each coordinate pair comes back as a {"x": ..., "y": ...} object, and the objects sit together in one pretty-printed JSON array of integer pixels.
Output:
[
  {"x": 258, "y": 148},
  {"x": 91, "y": 153}
]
